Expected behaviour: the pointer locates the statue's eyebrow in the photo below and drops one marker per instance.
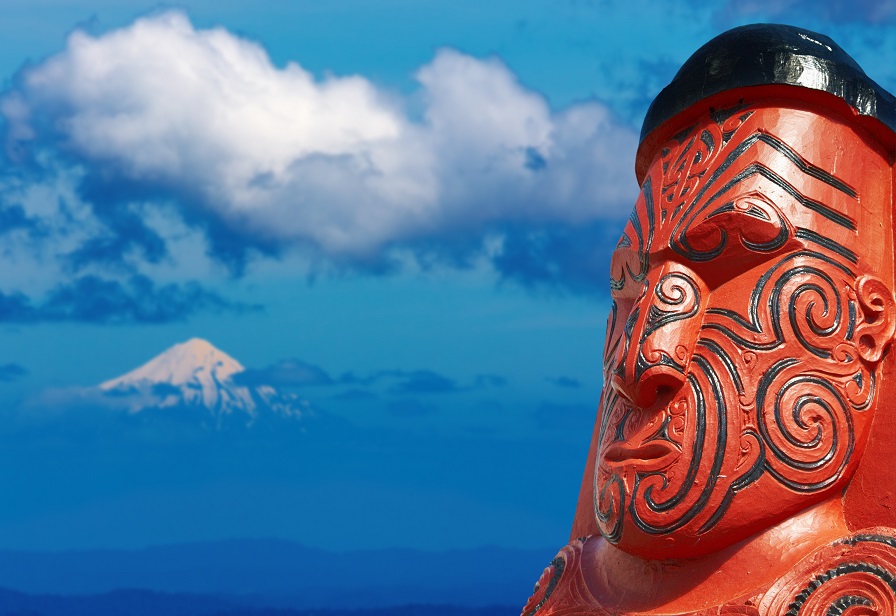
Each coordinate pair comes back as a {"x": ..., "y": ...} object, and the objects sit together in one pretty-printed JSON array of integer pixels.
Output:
[
  {"x": 803, "y": 166},
  {"x": 811, "y": 204},
  {"x": 806, "y": 167}
]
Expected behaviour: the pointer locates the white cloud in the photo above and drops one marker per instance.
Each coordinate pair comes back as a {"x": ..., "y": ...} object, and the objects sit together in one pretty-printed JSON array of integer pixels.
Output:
[{"x": 278, "y": 156}]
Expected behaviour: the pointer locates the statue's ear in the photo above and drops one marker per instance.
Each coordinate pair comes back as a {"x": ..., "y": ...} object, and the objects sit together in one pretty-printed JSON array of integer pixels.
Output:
[{"x": 878, "y": 321}]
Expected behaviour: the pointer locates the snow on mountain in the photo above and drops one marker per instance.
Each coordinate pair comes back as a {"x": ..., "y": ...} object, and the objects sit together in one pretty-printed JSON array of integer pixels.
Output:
[{"x": 196, "y": 374}]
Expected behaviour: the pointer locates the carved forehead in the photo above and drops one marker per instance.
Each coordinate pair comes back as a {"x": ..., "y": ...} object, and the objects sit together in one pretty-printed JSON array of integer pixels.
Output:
[{"x": 771, "y": 161}]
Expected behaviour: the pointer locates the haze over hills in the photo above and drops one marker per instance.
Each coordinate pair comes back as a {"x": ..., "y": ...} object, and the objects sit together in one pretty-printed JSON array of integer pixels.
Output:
[
  {"x": 196, "y": 375},
  {"x": 285, "y": 575},
  {"x": 150, "y": 603}
]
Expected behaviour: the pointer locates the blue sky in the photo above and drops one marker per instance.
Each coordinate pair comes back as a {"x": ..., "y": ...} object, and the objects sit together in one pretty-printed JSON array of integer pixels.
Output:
[{"x": 414, "y": 201}]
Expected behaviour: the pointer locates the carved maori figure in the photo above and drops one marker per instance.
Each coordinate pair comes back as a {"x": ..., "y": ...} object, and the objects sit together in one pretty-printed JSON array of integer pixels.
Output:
[{"x": 744, "y": 455}]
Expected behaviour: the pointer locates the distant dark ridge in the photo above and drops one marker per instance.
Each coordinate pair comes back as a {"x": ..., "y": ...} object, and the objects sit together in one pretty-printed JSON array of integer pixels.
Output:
[
  {"x": 398, "y": 610},
  {"x": 130, "y": 602},
  {"x": 148, "y": 603}
]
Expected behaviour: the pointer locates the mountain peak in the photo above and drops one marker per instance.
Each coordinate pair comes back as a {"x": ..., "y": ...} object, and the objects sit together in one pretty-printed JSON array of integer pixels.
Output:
[
  {"x": 196, "y": 374},
  {"x": 194, "y": 361}
]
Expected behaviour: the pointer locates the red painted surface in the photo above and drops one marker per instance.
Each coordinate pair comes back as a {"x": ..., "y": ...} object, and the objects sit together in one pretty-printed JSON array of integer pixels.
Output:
[{"x": 742, "y": 460}]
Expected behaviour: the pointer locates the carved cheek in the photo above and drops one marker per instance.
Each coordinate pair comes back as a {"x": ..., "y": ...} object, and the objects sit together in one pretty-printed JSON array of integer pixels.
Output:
[
  {"x": 792, "y": 345},
  {"x": 672, "y": 322},
  {"x": 614, "y": 338}
]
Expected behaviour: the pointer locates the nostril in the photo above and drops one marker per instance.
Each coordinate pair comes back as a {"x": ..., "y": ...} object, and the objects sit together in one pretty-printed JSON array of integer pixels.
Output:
[
  {"x": 658, "y": 386},
  {"x": 664, "y": 392}
]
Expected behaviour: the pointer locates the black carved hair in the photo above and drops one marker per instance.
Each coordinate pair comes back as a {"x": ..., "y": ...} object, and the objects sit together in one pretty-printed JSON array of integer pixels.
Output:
[{"x": 771, "y": 54}]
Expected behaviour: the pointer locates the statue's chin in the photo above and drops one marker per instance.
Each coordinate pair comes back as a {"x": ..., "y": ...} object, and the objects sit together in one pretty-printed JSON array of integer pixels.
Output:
[
  {"x": 677, "y": 545},
  {"x": 762, "y": 511}
]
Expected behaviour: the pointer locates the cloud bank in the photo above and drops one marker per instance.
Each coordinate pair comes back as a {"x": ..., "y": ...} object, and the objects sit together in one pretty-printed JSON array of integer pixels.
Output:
[
  {"x": 297, "y": 373},
  {"x": 874, "y": 12},
  {"x": 11, "y": 372},
  {"x": 91, "y": 299},
  {"x": 264, "y": 159},
  {"x": 289, "y": 372}
]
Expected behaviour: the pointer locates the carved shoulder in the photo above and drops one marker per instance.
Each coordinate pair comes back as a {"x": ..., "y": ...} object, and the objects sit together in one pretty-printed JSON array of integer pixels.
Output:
[
  {"x": 856, "y": 574},
  {"x": 561, "y": 590},
  {"x": 858, "y": 571}
]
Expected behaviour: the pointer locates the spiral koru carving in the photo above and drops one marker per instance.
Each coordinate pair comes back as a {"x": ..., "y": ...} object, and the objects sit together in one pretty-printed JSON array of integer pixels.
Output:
[
  {"x": 609, "y": 502},
  {"x": 853, "y": 577},
  {"x": 807, "y": 427}
]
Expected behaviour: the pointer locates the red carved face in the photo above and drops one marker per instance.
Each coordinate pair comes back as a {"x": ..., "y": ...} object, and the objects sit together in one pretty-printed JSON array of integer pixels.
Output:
[{"x": 743, "y": 340}]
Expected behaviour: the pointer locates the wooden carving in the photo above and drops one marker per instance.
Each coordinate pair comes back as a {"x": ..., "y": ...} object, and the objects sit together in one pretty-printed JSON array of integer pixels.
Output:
[{"x": 742, "y": 459}]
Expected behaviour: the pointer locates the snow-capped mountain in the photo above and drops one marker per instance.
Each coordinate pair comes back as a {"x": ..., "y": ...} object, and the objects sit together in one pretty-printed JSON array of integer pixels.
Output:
[{"x": 195, "y": 374}]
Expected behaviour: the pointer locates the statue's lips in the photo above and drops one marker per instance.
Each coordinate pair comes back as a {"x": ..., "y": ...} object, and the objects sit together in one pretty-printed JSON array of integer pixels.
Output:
[{"x": 650, "y": 451}]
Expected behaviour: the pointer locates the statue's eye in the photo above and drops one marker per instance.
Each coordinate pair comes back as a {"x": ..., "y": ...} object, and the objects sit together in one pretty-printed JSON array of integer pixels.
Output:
[
  {"x": 758, "y": 229},
  {"x": 746, "y": 230}
]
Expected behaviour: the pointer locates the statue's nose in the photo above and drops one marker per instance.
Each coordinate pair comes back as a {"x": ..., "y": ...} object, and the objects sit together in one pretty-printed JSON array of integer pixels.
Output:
[
  {"x": 661, "y": 335},
  {"x": 655, "y": 385}
]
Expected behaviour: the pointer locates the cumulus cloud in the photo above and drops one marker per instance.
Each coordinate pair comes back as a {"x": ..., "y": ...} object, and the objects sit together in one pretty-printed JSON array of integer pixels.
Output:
[
  {"x": 566, "y": 382},
  {"x": 490, "y": 380},
  {"x": 285, "y": 373},
  {"x": 91, "y": 299},
  {"x": 14, "y": 218},
  {"x": 11, "y": 372},
  {"x": 424, "y": 382},
  {"x": 563, "y": 257},
  {"x": 875, "y": 12},
  {"x": 297, "y": 373},
  {"x": 264, "y": 159}
]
